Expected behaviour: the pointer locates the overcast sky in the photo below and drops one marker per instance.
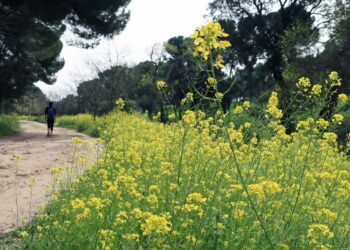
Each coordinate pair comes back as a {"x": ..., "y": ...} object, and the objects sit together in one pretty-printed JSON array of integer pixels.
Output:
[{"x": 151, "y": 22}]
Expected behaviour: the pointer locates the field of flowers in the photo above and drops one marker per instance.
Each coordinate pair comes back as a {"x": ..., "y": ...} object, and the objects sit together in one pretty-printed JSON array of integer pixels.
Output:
[
  {"x": 207, "y": 182},
  {"x": 183, "y": 186}
]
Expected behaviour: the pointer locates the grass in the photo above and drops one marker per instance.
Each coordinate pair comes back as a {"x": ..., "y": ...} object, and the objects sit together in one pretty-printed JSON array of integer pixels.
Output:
[
  {"x": 10, "y": 241},
  {"x": 9, "y": 125},
  {"x": 83, "y": 123}
]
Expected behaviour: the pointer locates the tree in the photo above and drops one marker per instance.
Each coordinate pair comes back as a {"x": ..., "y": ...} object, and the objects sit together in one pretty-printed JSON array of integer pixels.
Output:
[
  {"x": 336, "y": 55},
  {"x": 88, "y": 19},
  {"x": 144, "y": 92},
  {"x": 68, "y": 105},
  {"x": 28, "y": 53},
  {"x": 261, "y": 31},
  {"x": 91, "y": 97},
  {"x": 30, "y": 32}
]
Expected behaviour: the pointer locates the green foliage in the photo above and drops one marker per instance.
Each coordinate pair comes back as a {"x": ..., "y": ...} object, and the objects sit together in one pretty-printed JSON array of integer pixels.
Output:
[
  {"x": 83, "y": 123},
  {"x": 8, "y": 125},
  {"x": 266, "y": 36},
  {"x": 35, "y": 118},
  {"x": 257, "y": 125},
  {"x": 30, "y": 36}
]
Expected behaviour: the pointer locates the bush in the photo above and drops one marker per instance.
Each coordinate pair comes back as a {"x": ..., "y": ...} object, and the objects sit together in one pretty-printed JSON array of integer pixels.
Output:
[{"x": 8, "y": 125}]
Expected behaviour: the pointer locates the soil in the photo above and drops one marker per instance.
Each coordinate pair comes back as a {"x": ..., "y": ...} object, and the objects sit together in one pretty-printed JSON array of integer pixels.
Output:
[{"x": 38, "y": 153}]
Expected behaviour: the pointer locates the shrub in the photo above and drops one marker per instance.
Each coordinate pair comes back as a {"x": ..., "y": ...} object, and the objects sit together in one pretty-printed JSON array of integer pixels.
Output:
[{"x": 8, "y": 125}]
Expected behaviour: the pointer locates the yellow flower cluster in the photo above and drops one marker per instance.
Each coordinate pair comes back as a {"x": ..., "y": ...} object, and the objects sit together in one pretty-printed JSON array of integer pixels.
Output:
[
  {"x": 343, "y": 98},
  {"x": 120, "y": 103},
  {"x": 238, "y": 109},
  {"x": 272, "y": 107},
  {"x": 206, "y": 39},
  {"x": 196, "y": 197},
  {"x": 319, "y": 234},
  {"x": 338, "y": 119},
  {"x": 322, "y": 123},
  {"x": 219, "y": 96},
  {"x": 246, "y": 105},
  {"x": 334, "y": 79},
  {"x": 316, "y": 89},
  {"x": 161, "y": 85},
  {"x": 304, "y": 84},
  {"x": 156, "y": 224},
  {"x": 188, "y": 98},
  {"x": 211, "y": 81},
  {"x": 189, "y": 118}
]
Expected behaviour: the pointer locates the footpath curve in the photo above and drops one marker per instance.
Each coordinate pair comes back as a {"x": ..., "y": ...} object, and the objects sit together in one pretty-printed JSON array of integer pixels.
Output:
[{"x": 39, "y": 153}]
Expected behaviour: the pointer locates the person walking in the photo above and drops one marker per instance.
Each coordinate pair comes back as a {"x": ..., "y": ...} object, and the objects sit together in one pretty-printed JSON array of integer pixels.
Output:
[{"x": 50, "y": 113}]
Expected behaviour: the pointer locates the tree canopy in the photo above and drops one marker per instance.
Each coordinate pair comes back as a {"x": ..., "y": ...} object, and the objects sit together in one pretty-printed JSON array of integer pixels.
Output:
[
  {"x": 272, "y": 32},
  {"x": 30, "y": 32}
]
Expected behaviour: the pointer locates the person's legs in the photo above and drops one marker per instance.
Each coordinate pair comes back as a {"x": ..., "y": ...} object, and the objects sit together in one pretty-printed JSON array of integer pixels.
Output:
[
  {"x": 48, "y": 127},
  {"x": 52, "y": 123}
]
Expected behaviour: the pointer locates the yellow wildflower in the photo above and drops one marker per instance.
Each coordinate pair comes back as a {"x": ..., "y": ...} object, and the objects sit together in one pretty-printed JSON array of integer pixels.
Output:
[
  {"x": 161, "y": 85},
  {"x": 196, "y": 197},
  {"x": 334, "y": 79},
  {"x": 318, "y": 232},
  {"x": 211, "y": 81},
  {"x": 238, "y": 109},
  {"x": 96, "y": 202},
  {"x": 120, "y": 103},
  {"x": 24, "y": 234},
  {"x": 206, "y": 38},
  {"x": 316, "y": 89},
  {"x": 246, "y": 104},
  {"x": 338, "y": 119},
  {"x": 272, "y": 108},
  {"x": 152, "y": 199},
  {"x": 219, "y": 96},
  {"x": 256, "y": 190},
  {"x": 132, "y": 237},
  {"x": 304, "y": 83},
  {"x": 154, "y": 189},
  {"x": 343, "y": 98},
  {"x": 77, "y": 203},
  {"x": 219, "y": 62},
  {"x": 189, "y": 96},
  {"x": 157, "y": 224},
  {"x": 189, "y": 118},
  {"x": 322, "y": 123},
  {"x": 171, "y": 117}
]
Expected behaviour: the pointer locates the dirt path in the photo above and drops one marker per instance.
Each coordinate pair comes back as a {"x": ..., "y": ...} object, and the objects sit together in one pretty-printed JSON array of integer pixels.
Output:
[{"x": 39, "y": 153}]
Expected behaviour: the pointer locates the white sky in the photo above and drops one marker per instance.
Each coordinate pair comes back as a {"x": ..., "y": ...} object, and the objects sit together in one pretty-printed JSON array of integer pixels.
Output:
[{"x": 151, "y": 22}]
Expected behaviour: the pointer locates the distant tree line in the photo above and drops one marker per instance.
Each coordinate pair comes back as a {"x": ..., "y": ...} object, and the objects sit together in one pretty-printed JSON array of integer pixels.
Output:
[
  {"x": 274, "y": 44},
  {"x": 272, "y": 48}
]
